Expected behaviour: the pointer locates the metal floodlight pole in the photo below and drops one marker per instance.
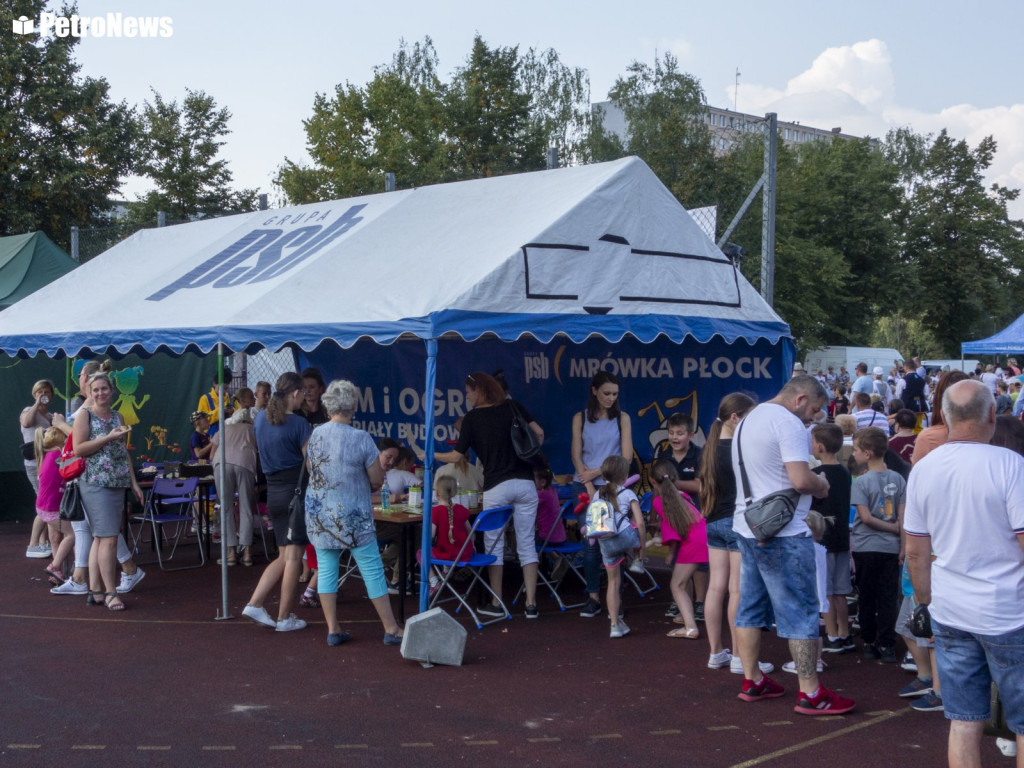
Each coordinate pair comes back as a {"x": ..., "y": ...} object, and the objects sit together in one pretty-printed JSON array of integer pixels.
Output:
[{"x": 771, "y": 141}]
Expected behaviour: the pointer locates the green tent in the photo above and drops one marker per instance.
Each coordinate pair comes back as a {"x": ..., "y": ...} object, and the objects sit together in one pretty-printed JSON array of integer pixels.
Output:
[{"x": 27, "y": 263}]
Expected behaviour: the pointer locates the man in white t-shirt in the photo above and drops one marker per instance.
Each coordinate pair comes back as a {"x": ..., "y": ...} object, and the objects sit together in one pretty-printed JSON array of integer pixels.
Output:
[
  {"x": 964, "y": 522},
  {"x": 780, "y": 573}
]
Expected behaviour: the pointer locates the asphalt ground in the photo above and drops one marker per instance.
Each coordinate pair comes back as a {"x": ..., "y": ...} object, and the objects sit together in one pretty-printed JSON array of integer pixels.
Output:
[{"x": 164, "y": 683}]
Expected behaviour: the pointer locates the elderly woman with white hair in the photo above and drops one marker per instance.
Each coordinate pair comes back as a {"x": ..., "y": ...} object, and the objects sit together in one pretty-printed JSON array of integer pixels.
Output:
[{"x": 344, "y": 468}]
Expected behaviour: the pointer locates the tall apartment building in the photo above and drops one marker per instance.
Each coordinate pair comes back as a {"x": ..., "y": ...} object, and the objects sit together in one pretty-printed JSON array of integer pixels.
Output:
[{"x": 725, "y": 125}]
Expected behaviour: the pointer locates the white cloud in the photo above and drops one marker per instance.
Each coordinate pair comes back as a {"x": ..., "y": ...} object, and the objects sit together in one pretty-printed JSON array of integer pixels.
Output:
[
  {"x": 679, "y": 47},
  {"x": 854, "y": 87}
]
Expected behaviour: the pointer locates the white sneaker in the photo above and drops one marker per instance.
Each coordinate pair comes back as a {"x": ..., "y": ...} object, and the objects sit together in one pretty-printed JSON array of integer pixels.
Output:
[
  {"x": 70, "y": 587},
  {"x": 719, "y": 660},
  {"x": 290, "y": 624},
  {"x": 790, "y": 666},
  {"x": 259, "y": 615},
  {"x": 637, "y": 566},
  {"x": 619, "y": 630},
  {"x": 129, "y": 582},
  {"x": 37, "y": 552},
  {"x": 1007, "y": 746},
  {"x": 736, "y": 666}
]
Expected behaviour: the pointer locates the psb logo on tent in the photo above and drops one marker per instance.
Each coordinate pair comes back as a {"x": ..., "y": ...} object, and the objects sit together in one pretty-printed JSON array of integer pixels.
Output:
[{"x": 110, "y": 25}]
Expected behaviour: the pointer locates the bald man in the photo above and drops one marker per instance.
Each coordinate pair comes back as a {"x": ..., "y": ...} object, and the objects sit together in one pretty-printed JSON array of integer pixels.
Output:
[{"x": 965, "y": 504}]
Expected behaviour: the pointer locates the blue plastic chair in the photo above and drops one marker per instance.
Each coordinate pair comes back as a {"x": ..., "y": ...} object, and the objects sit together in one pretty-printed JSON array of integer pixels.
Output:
[
  {"x": 169, "y": 502},
  {"x": 563, "y": 554},
  {"x": 494, "y": 519}
]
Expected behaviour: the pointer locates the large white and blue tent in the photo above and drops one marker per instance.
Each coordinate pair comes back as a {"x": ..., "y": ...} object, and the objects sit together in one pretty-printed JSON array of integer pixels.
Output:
[{"x": 600, "y": 255}]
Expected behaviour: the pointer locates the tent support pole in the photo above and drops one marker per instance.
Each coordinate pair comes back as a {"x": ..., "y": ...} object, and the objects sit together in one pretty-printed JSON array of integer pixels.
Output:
[
  {"x": 225, "y": 508},
  {"x": 428, "y": 464}
]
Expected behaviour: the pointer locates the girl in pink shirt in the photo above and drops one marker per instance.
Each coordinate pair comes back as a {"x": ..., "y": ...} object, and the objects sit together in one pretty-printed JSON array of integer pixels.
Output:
[
  {"x": 684, "y": 531},
  {"x": 49, "y": 443}
]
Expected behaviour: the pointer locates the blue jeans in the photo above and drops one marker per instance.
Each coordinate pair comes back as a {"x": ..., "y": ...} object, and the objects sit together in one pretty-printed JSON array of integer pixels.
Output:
[
  {"x": 591, "y": 551},
  {"x": 779, "y": 575},
  {"x": 968, "y": 663}
]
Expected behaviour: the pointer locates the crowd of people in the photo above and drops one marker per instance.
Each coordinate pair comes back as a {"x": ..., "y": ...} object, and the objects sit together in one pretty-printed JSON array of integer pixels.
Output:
[{"x": 896, "y": 496}]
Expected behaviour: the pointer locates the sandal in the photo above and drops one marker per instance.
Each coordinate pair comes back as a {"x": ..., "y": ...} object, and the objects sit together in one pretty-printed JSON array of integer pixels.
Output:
[
  {"x": 246, "y": 561},
  {"x": 309, "y": 602},
  {"x": 118, "y": 606},
  {"x": 686, "y": 634},
  {"x": 54, "y": 576},
  {"x": 93, "y": 600}
]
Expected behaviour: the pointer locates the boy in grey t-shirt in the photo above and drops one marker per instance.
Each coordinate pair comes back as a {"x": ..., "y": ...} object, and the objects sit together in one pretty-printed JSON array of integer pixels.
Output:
[{"x": 879, "y": 496}]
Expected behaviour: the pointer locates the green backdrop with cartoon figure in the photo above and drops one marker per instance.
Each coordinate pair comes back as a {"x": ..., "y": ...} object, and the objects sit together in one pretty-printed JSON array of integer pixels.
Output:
[{"x": 155, "y": 395}]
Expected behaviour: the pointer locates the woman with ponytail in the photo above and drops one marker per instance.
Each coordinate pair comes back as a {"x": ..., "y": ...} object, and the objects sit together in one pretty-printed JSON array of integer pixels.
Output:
[
  {"x": 718, "y": 500},
  {"x": 683, "y": 530},
  {"x": 281, "y": 437}
]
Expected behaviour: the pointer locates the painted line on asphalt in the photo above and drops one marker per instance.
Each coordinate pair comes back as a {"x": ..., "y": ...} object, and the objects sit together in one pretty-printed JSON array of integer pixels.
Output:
[
  {"x": 88, "y": 746},
  {"x": 544, "y": 740},
  {"x": 669, "y": 732},
  {"x": 821, "y": 739},
  {"x": 723, "y": 727},
  {"x": 154, "y": 748},
  {"x": 219, "y": 748},
  {"x": 285, "y": 746},
  {"x": 606, "y": 736},
  {"x": 351, "y": 746},
  {"x": 777, "y": 722},
  {"x": 414, "y": 744},
  {"x": 24, "y": 746},
  {"x": 479, "y": 743},
  {"x": 205, "y": 622}
]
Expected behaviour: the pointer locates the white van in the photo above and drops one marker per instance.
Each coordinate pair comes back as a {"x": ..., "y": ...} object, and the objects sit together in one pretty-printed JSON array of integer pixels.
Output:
[{"x": 823, "y": 357}]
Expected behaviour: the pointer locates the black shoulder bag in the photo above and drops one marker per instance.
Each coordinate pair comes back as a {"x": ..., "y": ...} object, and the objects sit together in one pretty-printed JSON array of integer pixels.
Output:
[
  {"x": 524, "y": 440},
  {"x": 769, "y": 515},
  {"x": 297, "y": 512}
]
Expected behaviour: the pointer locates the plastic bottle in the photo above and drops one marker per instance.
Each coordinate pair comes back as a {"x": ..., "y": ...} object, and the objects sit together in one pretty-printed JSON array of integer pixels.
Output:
[{"x": 385, "y": 496}]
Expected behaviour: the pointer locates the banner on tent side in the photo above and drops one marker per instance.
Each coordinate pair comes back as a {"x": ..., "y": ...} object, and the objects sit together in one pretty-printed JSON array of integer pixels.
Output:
[{"x": 552, "y": 381}]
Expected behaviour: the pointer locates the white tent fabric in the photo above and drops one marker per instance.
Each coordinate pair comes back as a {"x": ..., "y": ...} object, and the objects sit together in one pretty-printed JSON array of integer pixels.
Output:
[{"x": 600, "y": 249}]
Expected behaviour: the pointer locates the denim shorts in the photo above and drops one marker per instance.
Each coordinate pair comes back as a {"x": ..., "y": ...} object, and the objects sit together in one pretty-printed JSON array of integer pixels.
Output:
[
  {"x": 779, "y": 575},
  {"x": 969, "y": 662},
  {"x": 722, "y": 536},
  {"x": 614, "y": 548}
]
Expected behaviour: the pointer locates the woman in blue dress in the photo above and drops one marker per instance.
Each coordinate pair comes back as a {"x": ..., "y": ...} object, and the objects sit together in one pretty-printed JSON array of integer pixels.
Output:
[{"x": 344, "y": 468}]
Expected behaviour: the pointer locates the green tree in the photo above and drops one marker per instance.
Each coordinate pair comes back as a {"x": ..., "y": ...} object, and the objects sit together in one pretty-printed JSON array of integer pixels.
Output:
[
  {"x": 964, "y": 252},
  {"x": 179, "y": 147},
  {"x": 393, "y": 124},
  {"x": 64, "y": 145},
  {"x": 665, "y": 113},
  {"x": 844, "y": 198},
  {"x": 496, "y": 115}
]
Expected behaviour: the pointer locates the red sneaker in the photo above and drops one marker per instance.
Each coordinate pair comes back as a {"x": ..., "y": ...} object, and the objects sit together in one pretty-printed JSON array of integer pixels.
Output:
[
  {"x": 825, "y": 703},
  {"x": 766, "y": 689}
]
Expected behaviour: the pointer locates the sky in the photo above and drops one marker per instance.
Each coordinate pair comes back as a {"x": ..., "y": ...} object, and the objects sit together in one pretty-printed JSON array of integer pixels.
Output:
[{"x": 867, "y": 66}]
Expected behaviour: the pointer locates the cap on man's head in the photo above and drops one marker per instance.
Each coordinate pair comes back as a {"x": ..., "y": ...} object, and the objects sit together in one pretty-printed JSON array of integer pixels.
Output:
[
  {"x": 878, "y": 370},
  {"x": 797, "y": 367}
]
